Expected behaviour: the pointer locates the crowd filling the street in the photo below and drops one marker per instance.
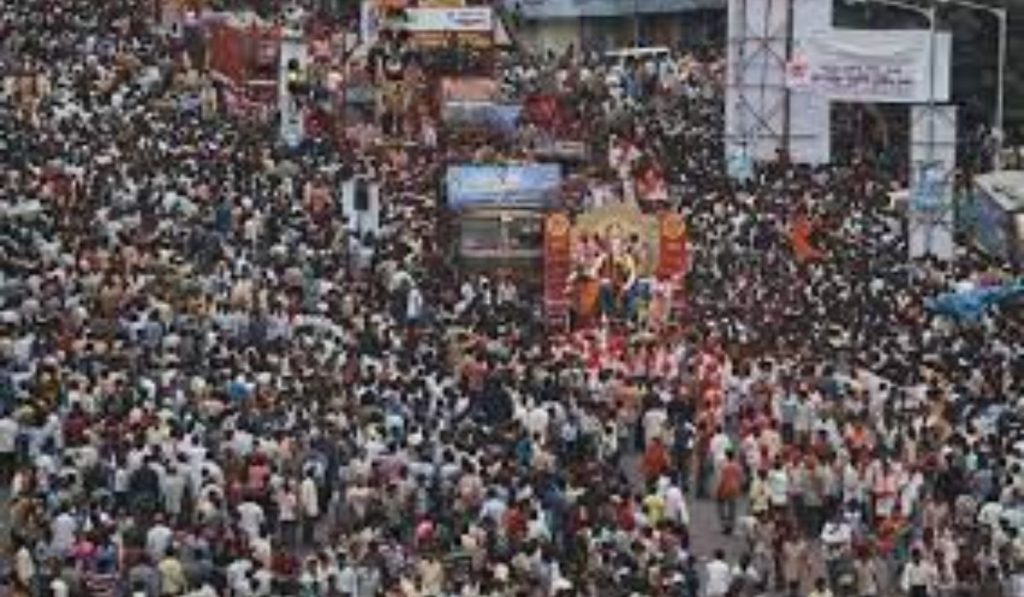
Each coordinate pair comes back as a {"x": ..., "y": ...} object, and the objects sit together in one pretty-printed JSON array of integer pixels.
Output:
[{"x": 212, "y": 385}]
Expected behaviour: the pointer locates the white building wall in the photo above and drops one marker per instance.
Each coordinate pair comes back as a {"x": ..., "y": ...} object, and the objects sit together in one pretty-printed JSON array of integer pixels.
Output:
[{"x": 551, "y": 34}]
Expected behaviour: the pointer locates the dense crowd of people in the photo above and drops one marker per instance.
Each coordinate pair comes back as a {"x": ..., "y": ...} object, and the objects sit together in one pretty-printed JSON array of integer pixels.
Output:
[{"x": 210, "y": 386}]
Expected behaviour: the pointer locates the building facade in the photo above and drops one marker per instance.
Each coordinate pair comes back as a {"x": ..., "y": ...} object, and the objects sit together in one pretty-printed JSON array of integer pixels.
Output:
[{"x": 612, "y": 24}]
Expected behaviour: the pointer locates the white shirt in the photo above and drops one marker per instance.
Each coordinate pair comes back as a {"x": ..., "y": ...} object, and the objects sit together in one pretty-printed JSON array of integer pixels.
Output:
[
  {"x": 918, "y": 575},
  {"x": 537, "y": 421},
  {"x": 308, "y": 497},
  {"x": 250, "y": 517},
  {"x": 287, "y": 506},
  {"x": 720, "y": 444},
  {"x": 836, "y": 537},
  {"x": 158, "y": 539},
  {"x": 719, "y": 578},
  {"x": 173, "y": 486},
  {"x": 236, "y": 573},
  {"x": 654, "y": 424},
  {"x": 59, "y": 588},
  {"x": 24, "y": 566},
  {"x": 675, "y": 505},
  {"x": 242, "y": 443},
  {"x": 414, "y": 303},
  {"x": 63, "y": 529},
  {"x": 778, "y": 486},
  {"x": 8, "y": 435}
]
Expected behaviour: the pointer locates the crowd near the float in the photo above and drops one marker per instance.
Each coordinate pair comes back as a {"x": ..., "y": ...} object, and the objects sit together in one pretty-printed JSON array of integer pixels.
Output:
[{"x": 210, "y": 387}]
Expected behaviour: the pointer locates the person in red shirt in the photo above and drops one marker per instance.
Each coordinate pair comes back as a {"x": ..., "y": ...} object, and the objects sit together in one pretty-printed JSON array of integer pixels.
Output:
[
  {"x": 656, "y": 461},
  {"x": 730, "y": 486},
  {"x": 515, "y": 523}
]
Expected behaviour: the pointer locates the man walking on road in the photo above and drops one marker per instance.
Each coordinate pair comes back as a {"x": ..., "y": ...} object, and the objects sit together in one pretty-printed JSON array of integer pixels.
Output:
[
  {"x": 730, "y": 485},
  {"x": 836, "y": 538},
  {"x": 719, "y": 575}
]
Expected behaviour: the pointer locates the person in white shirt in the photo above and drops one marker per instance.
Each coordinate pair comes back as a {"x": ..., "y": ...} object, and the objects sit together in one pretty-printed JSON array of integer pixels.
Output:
[
  {"x": 173, "y": 489},
  {"x": 204, "y": 591},
  {"x": 920, "y": 577},
  {"x": 8, "y": 446},
  {"x": 413, "y": 305},
  {"x": 310, "y": 504},
  {"x": 820, "y": 589},
  {"x": 59, "y": 588},
  {"x": 250, "y": 518},
  {"x": 537, "y": 420},
  {"x": 288, "y": 514},
  {"x": 158, "y": 539},
  {"x": 237, "y": 574},
  {"x": 24, "y": 566},
  {"x": 836, "y": 538},
  {"x": 675, "y": 503},
  {"x": 719, "y": 575},
  {"x": 719, "y": 446},
  {"x": 654, "y": 421},
  {"x": 63, "y": 529}
]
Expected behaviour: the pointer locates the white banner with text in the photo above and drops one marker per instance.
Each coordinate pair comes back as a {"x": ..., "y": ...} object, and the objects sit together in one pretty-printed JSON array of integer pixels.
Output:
[{"x": 884, "y": 66}]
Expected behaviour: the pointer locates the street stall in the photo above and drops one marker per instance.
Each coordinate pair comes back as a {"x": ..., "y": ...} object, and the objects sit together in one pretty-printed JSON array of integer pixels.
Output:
[{"x": 994, "y": 216}]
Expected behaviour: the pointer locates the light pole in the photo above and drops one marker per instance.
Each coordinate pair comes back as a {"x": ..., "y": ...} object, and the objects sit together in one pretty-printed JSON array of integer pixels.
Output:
[
  {"x": 930, "y": 13},
  {"x": 998, "y": 119},
  {"x": 636, "y": 23},
  {"x": 921, "y": 170}
]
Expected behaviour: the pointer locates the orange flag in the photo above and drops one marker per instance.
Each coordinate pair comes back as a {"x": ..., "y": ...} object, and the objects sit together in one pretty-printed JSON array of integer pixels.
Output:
[{"x": 800, "y": 239}]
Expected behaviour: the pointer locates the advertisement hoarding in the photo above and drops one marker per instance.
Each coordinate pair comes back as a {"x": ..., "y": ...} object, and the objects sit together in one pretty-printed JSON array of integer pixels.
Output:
[
  {"x": 526, "y": 185},
  {"x": 501, "y": 118},
  {"x": 477, "y": 19}
]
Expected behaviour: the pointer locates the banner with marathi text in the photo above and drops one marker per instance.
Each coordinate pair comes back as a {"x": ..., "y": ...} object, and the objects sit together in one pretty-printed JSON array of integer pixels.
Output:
[{"x": 855, "y": 65}]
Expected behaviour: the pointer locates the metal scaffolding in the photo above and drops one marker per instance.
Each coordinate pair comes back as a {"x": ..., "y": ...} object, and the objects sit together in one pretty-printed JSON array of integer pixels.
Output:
[{"x": 760, "y": 34}]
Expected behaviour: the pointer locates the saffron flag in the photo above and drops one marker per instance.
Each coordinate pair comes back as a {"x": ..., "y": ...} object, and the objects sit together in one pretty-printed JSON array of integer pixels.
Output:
[{"x": 800, "y": 240}]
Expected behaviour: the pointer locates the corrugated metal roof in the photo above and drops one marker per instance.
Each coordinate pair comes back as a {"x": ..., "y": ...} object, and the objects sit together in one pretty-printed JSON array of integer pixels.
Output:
[{"x": 1006, "y": 185}]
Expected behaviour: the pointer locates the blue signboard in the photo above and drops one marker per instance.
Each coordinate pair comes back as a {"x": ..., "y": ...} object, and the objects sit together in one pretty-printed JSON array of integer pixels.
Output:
[
  {"x": 525, "y": 185},
  {"x": 929, "y": 193},
  {"x": 739, "y": 165}
]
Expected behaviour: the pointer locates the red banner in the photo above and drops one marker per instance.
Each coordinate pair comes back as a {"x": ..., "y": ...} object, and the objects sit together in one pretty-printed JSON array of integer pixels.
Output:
[
  {"x": 239, "y": 53},
  {"x": 672, "y": 259},
  {"x": 543, "y": 110},
  {"x": 557, "y": 256}
]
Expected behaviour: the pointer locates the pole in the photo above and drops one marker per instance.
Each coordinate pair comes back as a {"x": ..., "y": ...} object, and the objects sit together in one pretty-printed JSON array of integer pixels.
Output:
[
  {"x": 1000, "y": 133},
  {"x": 636, "y": 23},
  {"x": 998, "y": 119},
  {"x": 932, "y": 21},
  {"x": 787, "y": 115},
  {"x": 931, "y": 81}
]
